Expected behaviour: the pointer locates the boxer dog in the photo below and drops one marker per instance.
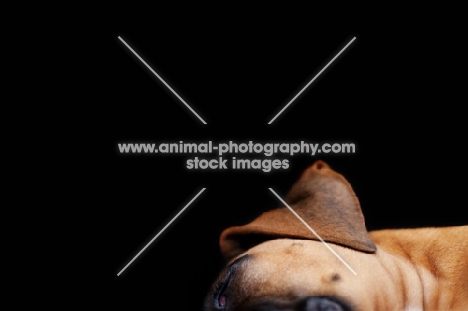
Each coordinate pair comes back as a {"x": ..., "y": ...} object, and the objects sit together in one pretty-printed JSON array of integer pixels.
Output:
[{"x": 277, "y": 263}]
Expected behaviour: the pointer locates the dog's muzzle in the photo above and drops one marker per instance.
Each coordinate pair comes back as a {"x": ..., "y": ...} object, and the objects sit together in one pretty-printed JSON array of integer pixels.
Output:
[
  {"x": 301, "y": 304},
  {"x": 226, "y": 296}
]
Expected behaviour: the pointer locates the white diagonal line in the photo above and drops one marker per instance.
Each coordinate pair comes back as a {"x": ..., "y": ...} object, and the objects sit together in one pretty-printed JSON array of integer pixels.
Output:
[
  {"x": 162, "y": 230},
  {"x": 162, "y": 80},
  {"x": 300, "y": 92},
  {"x": 313, "y": 231}
]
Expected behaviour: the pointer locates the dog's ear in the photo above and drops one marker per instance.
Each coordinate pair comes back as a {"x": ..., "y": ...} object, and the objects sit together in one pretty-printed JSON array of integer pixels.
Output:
[{"x": 322, "y": 198}]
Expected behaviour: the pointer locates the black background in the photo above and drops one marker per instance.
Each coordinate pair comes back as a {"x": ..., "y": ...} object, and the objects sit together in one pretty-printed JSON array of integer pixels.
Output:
[{"x": 394, "y": 93}]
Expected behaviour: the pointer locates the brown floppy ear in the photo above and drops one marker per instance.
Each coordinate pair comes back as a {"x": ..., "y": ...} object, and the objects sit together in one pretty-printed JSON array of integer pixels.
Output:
[{"x": 326, "y": 202}]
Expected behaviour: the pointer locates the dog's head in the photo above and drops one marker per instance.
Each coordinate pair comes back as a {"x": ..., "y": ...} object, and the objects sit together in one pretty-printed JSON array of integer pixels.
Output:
[{"x": 277, "y": 263}]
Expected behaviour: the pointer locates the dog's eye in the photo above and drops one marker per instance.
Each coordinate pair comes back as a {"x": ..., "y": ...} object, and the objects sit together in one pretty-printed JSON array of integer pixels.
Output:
[
  {"x": 222, "y": 300},
  {"x": 221, "y": 287}
]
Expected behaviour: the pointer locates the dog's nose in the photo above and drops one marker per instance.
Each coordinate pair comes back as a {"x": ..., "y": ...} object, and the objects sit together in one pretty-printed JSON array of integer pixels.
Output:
[
  {"x": 300, "y": 304},
  {"x": 321, "y": 304}
]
